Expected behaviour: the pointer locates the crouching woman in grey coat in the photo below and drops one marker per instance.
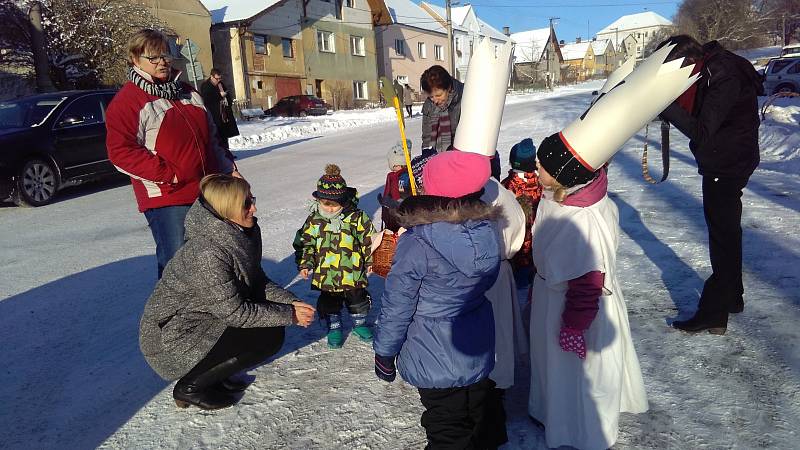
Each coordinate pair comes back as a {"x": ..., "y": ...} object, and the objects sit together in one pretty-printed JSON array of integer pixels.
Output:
[{"x": 214, "y": 312}]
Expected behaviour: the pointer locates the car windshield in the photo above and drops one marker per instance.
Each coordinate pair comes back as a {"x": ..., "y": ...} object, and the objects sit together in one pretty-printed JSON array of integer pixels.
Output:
[
  {"x": 27, "y": 113},
  {"x": 790, "y": 50}
]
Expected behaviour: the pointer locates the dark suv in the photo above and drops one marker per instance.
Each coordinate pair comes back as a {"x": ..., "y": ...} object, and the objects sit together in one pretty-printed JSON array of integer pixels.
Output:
[
  {"x": 52, "y": 140},
  {"x": 299, "y": 105}
]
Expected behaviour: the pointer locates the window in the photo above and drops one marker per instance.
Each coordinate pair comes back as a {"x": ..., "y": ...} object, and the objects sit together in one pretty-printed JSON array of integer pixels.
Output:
[
  {"x": 260, "y": 42},
  {"x": 350, "y": 3},
  {"x": 83, "y": 111},
  {"x": 421, "y": 50},
  {"x": 288, "y": 48},
  {"x": 325, "y": 41},
  {"x": 357, "y": 45},
  {"x": 458, "y": 44},
  {"x": 496, "y": 51},
  {"x": 338, "y": 9},
  {"x": 360, "y": 90},
  {"x": 794, "y": 69},
  {"x": 779, "y": 65},
  {"x": 399, "y": 47},
  {"x": 438, "y": 52}
]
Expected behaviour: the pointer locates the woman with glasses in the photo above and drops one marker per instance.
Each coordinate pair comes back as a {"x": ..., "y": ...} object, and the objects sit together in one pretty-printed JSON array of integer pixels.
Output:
[
  {"x": 215, "y": 313},
  {"x": 160, "y": 134}
]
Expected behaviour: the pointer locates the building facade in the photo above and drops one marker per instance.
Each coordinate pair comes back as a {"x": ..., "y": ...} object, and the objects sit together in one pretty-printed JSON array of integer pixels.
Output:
[
  {"x": 579, "y": 61},
  {"x": 631, "y": 34},
  {"x": 410, "y": 44},
  {"x": 537, "y": 58},
  {"x": 339, "y": 52},
  {"x": 605, "y": 57}
]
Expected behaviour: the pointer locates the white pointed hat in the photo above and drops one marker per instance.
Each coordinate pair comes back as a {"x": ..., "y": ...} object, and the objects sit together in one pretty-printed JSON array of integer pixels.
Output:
[
  {"x": 484, "y": 98},
  {"x": 622, "y": 109}
]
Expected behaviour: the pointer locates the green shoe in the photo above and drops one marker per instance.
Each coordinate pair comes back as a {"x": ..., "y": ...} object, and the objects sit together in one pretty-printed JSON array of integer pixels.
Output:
[
  {"x": 363, "y": 332},
  {"x": 335, "y": 338}
]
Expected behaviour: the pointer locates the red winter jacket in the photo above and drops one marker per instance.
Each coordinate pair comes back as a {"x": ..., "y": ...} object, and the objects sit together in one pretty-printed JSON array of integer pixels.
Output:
[{"x": 155, "y": 140}]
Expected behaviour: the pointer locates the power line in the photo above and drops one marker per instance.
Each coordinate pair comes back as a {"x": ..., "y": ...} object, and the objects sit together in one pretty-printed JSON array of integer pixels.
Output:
[{"x": 489, "y": 5}]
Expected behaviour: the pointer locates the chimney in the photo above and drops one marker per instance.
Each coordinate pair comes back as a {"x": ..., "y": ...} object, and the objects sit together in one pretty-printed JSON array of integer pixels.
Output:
[
  {"x": 507, "y": 31},
  {"x": 578, "y": 40}
]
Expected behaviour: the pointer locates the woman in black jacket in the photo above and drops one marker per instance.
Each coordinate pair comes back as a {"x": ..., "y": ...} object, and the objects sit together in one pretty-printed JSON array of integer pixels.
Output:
[{"x": 719, "y": 115}]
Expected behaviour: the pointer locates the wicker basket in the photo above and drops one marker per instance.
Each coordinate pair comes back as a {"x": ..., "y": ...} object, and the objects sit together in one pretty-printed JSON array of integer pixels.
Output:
[{"x": 382, "y": 256}]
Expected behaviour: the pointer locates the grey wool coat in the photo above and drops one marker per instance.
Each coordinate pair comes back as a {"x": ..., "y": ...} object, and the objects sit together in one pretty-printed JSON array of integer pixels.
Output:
[{"x": 213, "y": 282}]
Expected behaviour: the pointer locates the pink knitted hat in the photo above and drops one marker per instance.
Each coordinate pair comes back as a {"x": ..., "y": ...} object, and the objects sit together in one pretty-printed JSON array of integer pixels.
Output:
[{"x": 455, "y": 174}]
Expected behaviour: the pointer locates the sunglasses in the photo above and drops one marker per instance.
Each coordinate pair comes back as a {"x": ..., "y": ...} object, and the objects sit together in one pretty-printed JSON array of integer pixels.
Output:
[
  {"x": 249, "y": 201},
  {"x": 156, "y": 59}
]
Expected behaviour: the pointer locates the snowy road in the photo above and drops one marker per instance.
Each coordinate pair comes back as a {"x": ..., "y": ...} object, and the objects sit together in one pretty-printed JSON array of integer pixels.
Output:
[{"x": 76, "y": 274}]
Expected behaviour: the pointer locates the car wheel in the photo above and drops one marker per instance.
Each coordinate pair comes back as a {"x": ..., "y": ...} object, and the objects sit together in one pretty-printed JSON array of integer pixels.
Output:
[
  {"x": 785, "y": 87},
  {"x": 37, "y": 183},
  {"x": 303, "y": 114}
]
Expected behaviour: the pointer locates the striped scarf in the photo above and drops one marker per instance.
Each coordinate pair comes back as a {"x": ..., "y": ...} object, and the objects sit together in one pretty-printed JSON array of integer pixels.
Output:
[
  {"x": 170, "y": 90},
  {"x": 441, "y": 133}
]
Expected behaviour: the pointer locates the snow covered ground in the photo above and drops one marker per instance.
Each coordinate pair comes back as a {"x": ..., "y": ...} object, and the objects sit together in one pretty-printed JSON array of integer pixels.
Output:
[{"x": 76, "y": 275}]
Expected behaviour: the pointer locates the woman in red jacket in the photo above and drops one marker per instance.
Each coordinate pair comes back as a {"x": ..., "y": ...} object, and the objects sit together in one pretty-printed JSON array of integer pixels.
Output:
[{"x": 160, "y": 134}]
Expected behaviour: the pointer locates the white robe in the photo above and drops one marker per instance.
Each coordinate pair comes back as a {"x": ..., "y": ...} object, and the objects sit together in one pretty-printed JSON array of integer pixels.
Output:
[
  {"x": 510, "y": 338},
  {"x": 579, "y": 401}
]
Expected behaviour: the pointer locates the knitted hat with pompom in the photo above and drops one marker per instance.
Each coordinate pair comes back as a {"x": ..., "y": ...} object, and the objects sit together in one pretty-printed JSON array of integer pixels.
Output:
[{"x": 331, "y": 185}]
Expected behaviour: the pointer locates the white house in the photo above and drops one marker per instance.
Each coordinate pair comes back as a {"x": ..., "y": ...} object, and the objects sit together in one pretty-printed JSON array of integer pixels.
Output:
[
  {"x": 468, "y": 30},
  {"x": 631, "y": 34},
  {"x": 537, "y": 57}
]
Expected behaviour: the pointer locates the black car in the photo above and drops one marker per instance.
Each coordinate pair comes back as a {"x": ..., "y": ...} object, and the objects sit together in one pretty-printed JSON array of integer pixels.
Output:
[{"x": 52, "y": 140}]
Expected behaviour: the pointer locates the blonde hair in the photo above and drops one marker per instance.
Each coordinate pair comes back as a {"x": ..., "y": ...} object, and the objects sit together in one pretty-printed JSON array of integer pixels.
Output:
[
  {"x": 559, "y": 192},
  {"x": 146, "y": 39},
  {"x": 225, "y": 193}
]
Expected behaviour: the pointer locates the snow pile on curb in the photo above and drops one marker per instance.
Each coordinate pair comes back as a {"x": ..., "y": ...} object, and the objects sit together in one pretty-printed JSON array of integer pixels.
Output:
[
  {"x": 265, "y": 131},
  {"x": 779, "y": 135}
]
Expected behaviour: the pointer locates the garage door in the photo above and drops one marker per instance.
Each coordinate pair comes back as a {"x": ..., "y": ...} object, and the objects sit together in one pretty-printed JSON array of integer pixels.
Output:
[{"x": 285, "y": 87}]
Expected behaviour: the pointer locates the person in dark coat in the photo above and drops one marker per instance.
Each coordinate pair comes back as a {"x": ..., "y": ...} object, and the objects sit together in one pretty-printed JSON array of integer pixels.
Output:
[
  {"x": 435, "y": 319},
  {"x": 719, "y": 114},
  {"x": 219, "y": 104},
  {"x": 214, "y": 312}
]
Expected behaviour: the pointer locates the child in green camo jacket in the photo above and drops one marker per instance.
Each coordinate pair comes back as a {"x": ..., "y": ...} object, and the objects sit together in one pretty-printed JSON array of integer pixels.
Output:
[{"x": 334, "y": 247}]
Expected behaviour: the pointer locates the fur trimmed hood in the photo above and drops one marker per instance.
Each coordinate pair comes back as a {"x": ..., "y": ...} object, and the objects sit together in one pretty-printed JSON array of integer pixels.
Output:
[{"x": 427, "y": 209}]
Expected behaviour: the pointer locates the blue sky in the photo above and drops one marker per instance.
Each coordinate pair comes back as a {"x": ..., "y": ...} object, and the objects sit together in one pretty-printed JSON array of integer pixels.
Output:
[{"x": 522, "y": 15}]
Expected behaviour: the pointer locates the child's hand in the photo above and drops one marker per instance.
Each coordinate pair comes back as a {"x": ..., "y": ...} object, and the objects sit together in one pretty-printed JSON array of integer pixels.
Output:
[
  {"x": 302, "y": 314},
  {"x": 304, "y": 273},
  {"x": 369, "y": 270},
  {"x": 572, "y": 340}
]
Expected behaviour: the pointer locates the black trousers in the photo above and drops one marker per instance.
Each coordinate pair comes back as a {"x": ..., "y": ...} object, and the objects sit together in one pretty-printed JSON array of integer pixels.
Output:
[
  {"x": 408, "y": 109},
  {"x": 251, "y": 346},
  {"x": 722, "y": 207},
  {"x": 357, "y": 300},
  {"x": 463, "y": 417}
]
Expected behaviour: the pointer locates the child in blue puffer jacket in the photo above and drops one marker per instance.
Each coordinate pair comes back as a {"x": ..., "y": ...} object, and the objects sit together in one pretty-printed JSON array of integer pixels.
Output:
[{"x": 435, "y": 319}]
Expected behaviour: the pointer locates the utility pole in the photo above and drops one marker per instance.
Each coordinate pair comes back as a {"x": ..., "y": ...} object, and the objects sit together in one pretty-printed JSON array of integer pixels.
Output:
[
  {"x": 783, "y": 29},
  {"x": 450, "y": 39}
]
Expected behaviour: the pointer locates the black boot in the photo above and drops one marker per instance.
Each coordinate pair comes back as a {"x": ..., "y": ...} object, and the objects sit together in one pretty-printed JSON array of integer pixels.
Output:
[
  {"x": 198, "y": 389},
  {"x": 737, "y": 306},
  {"x": 714, "y": 323},
  {"x": 231, "y": 386}
]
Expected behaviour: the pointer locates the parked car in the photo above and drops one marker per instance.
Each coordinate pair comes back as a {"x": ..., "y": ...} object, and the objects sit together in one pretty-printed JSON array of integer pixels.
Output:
[
  {"x": 782, "y": 75},
  {"x": 50, "y": 141},
  {"x": 299, "y": 105}
]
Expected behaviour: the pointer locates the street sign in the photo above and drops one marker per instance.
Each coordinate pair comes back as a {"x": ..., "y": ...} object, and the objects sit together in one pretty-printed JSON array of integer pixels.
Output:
[
  {"x": 189, "y": 50},
  {"x": 195, "y": 71}
]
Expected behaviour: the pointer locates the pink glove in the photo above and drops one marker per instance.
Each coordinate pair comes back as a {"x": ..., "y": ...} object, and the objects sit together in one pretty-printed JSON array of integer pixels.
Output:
[{"x": 571, "y": 340}]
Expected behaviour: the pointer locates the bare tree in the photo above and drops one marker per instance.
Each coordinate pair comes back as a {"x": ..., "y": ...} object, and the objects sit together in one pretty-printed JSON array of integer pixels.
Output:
[
  {"x": 734, "y": 23},
  {"x": 85, "y": 39}
]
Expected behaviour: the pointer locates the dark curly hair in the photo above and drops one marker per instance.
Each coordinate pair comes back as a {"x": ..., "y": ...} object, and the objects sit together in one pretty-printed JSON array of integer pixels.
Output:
[
  {"x": 435, "y": 77},
  {"x": 685, "y": 47}
]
